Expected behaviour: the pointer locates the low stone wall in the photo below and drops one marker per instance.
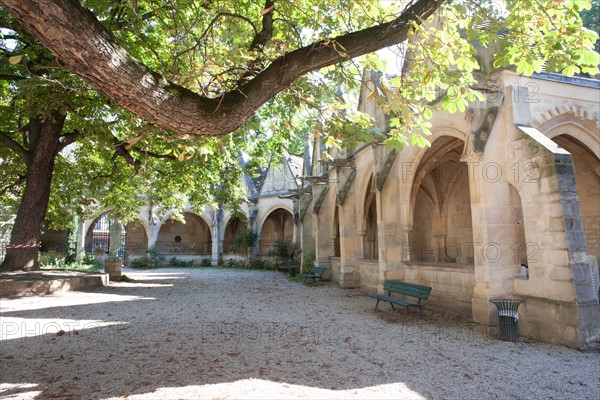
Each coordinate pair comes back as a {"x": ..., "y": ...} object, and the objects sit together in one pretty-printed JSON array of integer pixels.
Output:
[
  {"x": 452, "y": 284},
  {"x": 196, "y": 259},
  {"x": 231, "y": 256},
  {"x": 20, "y": 283},
  {"x": 335, "y": 266},
  {"x": 369, "y": 274}
]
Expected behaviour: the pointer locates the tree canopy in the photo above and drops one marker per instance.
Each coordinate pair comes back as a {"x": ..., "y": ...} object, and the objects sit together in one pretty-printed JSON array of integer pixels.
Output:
[
  {"x": 103, "y": 152},
  {"x": 204, "y": 68},
  {"x": 152, "y": 102}
]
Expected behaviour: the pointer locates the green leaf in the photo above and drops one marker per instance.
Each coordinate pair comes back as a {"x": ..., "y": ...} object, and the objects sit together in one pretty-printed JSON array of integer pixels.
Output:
[
  {"x": 570, "y": 70},
  {"x": 427, "y": 113}
]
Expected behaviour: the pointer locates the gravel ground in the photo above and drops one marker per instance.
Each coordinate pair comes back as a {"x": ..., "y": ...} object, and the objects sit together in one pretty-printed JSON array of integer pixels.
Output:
[{"x": 221, "y": 334}]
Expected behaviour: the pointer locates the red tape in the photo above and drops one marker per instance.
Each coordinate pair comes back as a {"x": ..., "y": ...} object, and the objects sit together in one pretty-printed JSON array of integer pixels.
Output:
[{"x": 21, "y": 246}]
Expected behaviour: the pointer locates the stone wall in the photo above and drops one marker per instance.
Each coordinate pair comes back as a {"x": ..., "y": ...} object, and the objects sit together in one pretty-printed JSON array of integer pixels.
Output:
[
  {"x": 560, "y": 287},
  {"x": 193, "y": 236},
  {"x": 587, "y": 175},
  {"x": 334, "y": 269},
  {"x": 136, "y": 240},
  {"x": 368, "y": 271},
  {"x": 452, "y": 284}
]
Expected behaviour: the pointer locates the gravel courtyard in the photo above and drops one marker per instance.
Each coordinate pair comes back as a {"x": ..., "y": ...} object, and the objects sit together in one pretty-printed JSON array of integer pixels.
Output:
[{"x": 225, "y": 334}]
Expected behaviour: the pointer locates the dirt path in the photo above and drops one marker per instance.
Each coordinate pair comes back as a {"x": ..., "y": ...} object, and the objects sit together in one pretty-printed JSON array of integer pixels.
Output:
[{"x": 210, "y": 333}]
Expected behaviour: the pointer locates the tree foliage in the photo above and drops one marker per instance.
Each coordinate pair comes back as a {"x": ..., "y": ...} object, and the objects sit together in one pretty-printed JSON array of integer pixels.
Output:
[
  {"x": 591, "y": 20},
  {"x": 212, "y": 64},
  {"x": 112, "y": 159}
]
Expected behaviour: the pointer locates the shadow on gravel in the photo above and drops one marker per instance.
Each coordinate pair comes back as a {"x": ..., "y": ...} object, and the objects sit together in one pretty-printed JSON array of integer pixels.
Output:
[{"x": 202, "y": 328}]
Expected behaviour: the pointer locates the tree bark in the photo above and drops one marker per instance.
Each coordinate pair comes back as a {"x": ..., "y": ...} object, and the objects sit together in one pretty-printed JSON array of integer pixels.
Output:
[
  {"x": 91, "y": 51},
  {"x": 45, "y": 145}
]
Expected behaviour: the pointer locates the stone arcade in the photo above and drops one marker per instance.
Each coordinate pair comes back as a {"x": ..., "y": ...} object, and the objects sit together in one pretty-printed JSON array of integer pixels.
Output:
[{"x": 505, "y": 203}]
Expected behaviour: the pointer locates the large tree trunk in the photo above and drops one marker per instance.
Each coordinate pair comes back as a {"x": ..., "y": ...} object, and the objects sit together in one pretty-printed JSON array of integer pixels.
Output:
[{"x": 45, "y": 144}]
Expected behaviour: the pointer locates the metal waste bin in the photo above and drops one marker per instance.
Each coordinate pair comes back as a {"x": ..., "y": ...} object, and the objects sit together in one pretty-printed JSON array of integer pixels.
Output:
[{"x": 508, "y": 317}]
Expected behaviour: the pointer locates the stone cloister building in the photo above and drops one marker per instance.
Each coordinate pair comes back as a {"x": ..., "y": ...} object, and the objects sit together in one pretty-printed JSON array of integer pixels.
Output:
[
  {"x": 208, "y": 235},
  {"x": 504, "y": 204}
]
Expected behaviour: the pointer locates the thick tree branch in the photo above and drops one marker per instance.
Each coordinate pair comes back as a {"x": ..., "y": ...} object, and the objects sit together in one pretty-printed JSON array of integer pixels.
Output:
[
  {"x": 260, "y": 40},
  {"x": 16, "y": 147},
  {"x": 121, "y": 151},
  {"x": 69, "y": 138},
  {"x": 91, "y": 51},
  {"x": 13, "y": 186},
  {"x": 266, "y": 33},
  {"x": 113, "y": 170},
  {"x": 11, "y": 77}
]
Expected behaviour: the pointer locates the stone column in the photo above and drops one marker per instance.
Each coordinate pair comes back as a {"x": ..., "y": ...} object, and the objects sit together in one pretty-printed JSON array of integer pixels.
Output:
[
  {"x": 252, "y": 214},
  {"x": 386, "y": 231},
  {"x": 440, "y": 247},
  {"x": 152, "y": 225},
  {"x": 408, "y": 248},
  {"x": 217, "y": 233},
  {"x": 80, "y": 241},
  {"x": 482, "y": 311},
  {"x": 350, "y": 245}
]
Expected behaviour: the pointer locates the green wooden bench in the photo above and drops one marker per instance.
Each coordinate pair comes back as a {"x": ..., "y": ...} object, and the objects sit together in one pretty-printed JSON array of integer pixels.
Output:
[
  {"x": 314, "y": 274},
  {"x": 408, "y": 289}
]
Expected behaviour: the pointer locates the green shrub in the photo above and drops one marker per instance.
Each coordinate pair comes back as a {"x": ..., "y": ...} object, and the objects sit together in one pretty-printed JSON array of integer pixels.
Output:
[
  {"x": 155, "y": 259},
  {"x": 262, "y": 264},
  {"x": 206, "y": 262},
  {"x": 176, "y": 263},
  {"x": 123, "y": 278},
  {"x": 231, "y": 263},
  {"x": 60, "y": 263},
  {"x": 89, "y": 259},
  {"x": 286, "y": 251},
  {"x": 246, "y": 240},
  {"x": 308, "y": 260},
  {"x": 140, "y": 263}
]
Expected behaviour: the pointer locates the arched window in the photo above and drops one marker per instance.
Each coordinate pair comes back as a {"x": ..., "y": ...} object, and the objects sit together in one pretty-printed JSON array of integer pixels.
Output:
[
  {"x": 279, "y": 225},
  {"x": 136, "y": 239},
  {"x": 235, "y": 226},
  {"x": 97, "y": 238},
  {"x": 191, "y": 237},
  {"x": 370, "y": 241},
  {"x": 442, "y": 228},
  {"x": 587, "y": 176}
]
